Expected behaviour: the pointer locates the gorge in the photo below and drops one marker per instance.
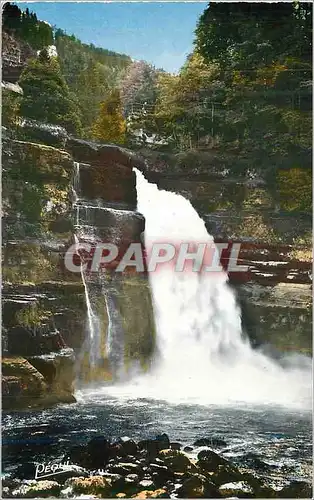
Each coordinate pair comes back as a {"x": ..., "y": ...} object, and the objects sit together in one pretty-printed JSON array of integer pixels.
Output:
[
  {"x": 177, "y": 361},
  {"x": 163, "y": 383}
]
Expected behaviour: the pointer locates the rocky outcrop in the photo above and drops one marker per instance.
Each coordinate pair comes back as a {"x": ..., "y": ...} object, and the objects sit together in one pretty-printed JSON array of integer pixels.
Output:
[
  {"x": 44, "y": 304},
  {"x": 14, "y": 56}
]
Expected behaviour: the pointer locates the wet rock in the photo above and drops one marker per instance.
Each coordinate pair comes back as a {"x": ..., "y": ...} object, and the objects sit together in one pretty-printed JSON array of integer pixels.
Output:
[
  {"x": 163, "y": 441},
  {"x": 43, "y": 489},
  {"x": 95, "y": 485},
  {"x": 160, "y": 474},
  {"x": 160, "y": 493},
  {"x": 197, "y": 486},
  {"x": 128, "y": 446},
  {"x": 188, "y": 449},
  {"x": 154, "y": 446},
  {"x": 10, "y": 482},
  {"x": 21, "y": 383},
  {"x": 226, "y": 473},
  {"x": 175, "y": 446},
  {"x": 58, "y": 368},
  {"x": 147, "y": 484},
  {"x": 176, "y": 461},
  {"x": 125, "y": 468},
  {"x": 214, "y": 442},
  {"x": 209, "y": 460},
  {"x": 98, "y": 450},
  {"x": 253, "y": 461},
  {"x": 240, "y": 489},
  {"x": 116, "y": 450},
  {"x": 296, "y": 489},
  {"x": 131, "y": 485},
  {"x": 5, "y": 492}
]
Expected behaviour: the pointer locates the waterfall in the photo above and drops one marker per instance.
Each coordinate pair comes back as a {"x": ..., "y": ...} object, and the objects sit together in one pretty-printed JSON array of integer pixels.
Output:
[
  {"x": 203, "y": 356},
  {"x": 93, "y": 351}
]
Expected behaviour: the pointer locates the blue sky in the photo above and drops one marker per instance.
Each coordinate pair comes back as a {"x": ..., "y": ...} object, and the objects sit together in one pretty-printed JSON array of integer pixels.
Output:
[{"x": 160, "y": 33}]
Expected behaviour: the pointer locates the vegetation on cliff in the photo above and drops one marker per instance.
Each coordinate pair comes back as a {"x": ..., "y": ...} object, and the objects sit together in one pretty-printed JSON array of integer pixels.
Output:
[{"x": 46, "y": 96}]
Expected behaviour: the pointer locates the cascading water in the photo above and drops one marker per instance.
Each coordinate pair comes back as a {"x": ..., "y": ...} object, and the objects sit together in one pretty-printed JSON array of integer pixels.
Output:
[
  {"x": 93, "y": 346},
  {"x": 203, "y": 356}
]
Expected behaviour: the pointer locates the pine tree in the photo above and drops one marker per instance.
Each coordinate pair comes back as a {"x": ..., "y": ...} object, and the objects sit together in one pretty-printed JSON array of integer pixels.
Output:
[
  {"x": 46, "y": 96},
  {"x": 110, "y": 125}
]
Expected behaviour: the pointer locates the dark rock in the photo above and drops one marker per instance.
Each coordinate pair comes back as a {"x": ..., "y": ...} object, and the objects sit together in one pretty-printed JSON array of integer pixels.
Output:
[
  {"x": 296, "y": 489},
  {"x": 100, "y": 154},
  {"x": 214, "y": 442},
  {"x": 154, "y": 446},
  {"x": 210, "y": 459},
  {"x": 163, "y": 441},
  {"x": 175, "y": 446},
  {"x": 240, "y": 489},
  {"x": 112, "y": 183},
  {"x": 226, "y": 473},
  {"x": 197, "y": 486},
  {"x": 253, "y": 461},
  {"x": 176, "y": 461},
  {"x": 129, "y": 447},
  {"x": 98, "y": 450},
  {"x": 188, "y": 449},
  {"x": 125, "y": 468}
]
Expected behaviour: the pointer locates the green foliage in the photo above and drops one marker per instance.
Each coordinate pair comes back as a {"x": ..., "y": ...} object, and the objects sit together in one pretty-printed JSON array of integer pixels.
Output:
[
  {"x": 46, "y": 95},
  {"x": 91, "y": 73},
  {"x": 26, "y": 26},
  {"x": 10, "y": 108},
  {"x": 295, "y": 189},
  {"x": 32, "y": 316},
  {"x": 110, "y": 124},
  {"x": 245, "y": 91}
]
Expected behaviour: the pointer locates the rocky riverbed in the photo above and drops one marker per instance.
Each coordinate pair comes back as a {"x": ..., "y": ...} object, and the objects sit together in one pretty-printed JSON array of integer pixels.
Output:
[
  {"x": 182, "y": 451},
  {"x": 151, "y": 468}
]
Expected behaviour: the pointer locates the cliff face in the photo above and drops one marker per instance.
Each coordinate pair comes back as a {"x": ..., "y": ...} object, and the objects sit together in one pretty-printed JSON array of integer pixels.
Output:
[
  {"x": 44, "y": 304},
  {"x": 14, "y": 56},
  {"x": 276, "y": 293}
]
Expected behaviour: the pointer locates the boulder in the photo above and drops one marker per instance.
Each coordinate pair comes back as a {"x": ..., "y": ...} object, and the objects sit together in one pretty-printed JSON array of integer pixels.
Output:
[
  {"x": 129, "y": 447},
  {"x": 98, "y": 450},
  {"x": 296, "y": 489},
  {"x": 188, "y": 449},
  {"x": 197, "y": 486},
  {"x": 214, "y": 442},
  {"x": 240, "y": 489},
  {"x": 176, "y": 461},
  {"x": 95, "y": 485},
  {"x": 22, "y": 384},
  {"x": 125, "y": 468},
  {"x": 160, "y": 493},
  {"x": 35, "y": 489},
  {"x": 209, "y": 460},
  {"x": 175, "y": 446},
  {"x": 58, "y": 368}
]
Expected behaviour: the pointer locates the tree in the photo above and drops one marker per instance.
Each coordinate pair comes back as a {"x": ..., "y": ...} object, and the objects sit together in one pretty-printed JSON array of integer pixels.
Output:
[
  {"x": 46, "y": 96},
  {"x": 110, "y": 125},
  {"x": 138, "y": 87}
]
